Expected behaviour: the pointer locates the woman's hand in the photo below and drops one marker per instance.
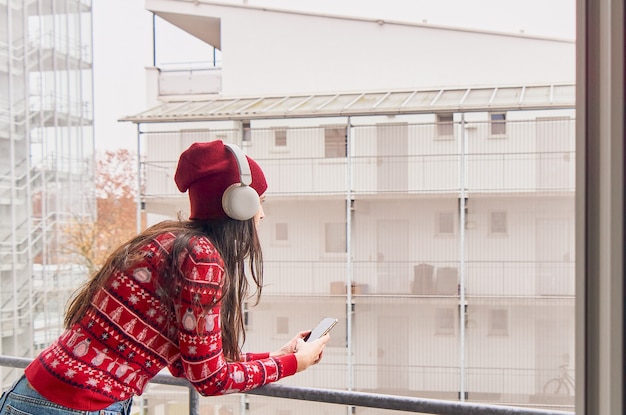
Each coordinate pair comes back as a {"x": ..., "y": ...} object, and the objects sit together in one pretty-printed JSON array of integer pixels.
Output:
[
  {"x": 309, "y": 354},
  {"x": 291, "y": 346}
]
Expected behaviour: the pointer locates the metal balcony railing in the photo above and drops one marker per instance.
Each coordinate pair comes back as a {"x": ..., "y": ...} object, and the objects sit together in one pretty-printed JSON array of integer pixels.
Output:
[{"x": 341, "y": 397}]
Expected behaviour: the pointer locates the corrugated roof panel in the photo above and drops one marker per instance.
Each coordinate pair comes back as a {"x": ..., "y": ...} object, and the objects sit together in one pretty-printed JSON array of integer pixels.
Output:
[
  {"x": 563, "y": 93},
  {"x": 477, "y": 97},
  {"x": 245, "y": 105},
  {"x": 394, "y": 100},
  {"x": 421, "y": 99},
  {"x": 286, "y": 105},
  {"x": 354, "y": 101},
  {"x": 509, "y": 96},
  {"x": 162, "y": 109},
  {"x": 234, "y": 106},
  {"x": 262, "y": 105},
  {"x": 340, "y": 102},
  {"x": 192, "y": 108},
  {"x": 211, "y": 106},
  {"x": 365, "y": 103},
  {"x": 448, "y": 99},
  {"x": 311, "y": 105},
  {"x": 535, "y": 94}
]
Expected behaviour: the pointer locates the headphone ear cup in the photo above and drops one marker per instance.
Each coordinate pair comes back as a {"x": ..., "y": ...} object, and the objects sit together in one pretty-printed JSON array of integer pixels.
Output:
[{"x": 240, "y": 202}]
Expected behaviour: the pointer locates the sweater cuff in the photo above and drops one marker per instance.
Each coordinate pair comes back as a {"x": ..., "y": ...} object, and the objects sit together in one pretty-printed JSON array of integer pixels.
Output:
[{"x": 288, "y": 364}]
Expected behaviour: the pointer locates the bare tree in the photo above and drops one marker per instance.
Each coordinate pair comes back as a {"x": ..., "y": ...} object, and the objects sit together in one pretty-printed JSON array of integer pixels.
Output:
[{"x": 90, "y": 242}]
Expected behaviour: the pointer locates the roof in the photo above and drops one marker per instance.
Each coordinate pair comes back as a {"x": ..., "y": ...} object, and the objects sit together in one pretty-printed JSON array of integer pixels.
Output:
[
  {"x": 435, "y": 100},
  {"x": 190, "y": 21}
]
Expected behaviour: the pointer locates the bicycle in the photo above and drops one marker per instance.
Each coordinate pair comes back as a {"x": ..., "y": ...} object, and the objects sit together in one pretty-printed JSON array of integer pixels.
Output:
[{"x": 561, "y": 386}]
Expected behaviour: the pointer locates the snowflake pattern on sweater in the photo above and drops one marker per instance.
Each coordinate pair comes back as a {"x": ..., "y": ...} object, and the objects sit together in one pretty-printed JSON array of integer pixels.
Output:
[{"x": 128, "y": 335}]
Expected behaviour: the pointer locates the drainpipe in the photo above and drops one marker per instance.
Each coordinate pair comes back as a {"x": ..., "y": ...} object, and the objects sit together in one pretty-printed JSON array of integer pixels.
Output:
[
  {"x": 138, "y": 201},
  {"x": 349, "y": 265},
  {"x": 461, "y": 293},
  {"x": 153, "y": 40}
]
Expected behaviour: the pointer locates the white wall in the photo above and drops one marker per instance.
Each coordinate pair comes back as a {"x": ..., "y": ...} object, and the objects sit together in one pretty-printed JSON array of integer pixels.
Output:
[
  {"x": 268, "y": 52},
  {"x": 293, "y": 53}
]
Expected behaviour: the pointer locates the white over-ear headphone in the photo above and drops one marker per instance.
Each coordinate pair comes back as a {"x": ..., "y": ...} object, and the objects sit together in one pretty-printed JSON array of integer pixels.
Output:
[{"x": 240, "y": 201}]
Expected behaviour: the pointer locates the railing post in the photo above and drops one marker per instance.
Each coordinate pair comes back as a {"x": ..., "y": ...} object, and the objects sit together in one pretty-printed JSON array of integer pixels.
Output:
[{"x": 194, "y": 401}]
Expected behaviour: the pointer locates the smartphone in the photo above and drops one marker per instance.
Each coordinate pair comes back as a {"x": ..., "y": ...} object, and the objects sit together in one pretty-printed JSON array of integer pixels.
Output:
[{"x": 321, "y": 329}]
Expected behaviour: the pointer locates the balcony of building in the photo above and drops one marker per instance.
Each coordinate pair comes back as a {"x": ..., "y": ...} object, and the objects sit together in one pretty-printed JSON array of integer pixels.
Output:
[
  {"x": 39, "y": 112},
  {"x": 192, "y": 81},
  {"x": 52, "y": 52},
  {"x": 44, "y": 50},
  {"x": 49, "y": 7},
  {"x": 386, "y": 161}
]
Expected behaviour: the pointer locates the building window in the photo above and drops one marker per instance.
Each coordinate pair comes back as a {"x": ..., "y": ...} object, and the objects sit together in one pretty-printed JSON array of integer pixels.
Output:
[
  {"x": 280, "y": 138},
  {"x": 282, "y": 325},
  {"x": 498, "y": 123},
  {"x": 247, "y": 132},
  {"x": 246, "y": 315},
  {"x": 445, "y": 126},
  {"x": 335, "y": 238},
  {"x": 445, "y": 223},
  {"x": 444, "y": 320},
  {"x": 498, "y": 223},
  {"x": 499, "y": 322},
  {"x": 335, "y": 142},
  {"x": 282, "y": 232}
]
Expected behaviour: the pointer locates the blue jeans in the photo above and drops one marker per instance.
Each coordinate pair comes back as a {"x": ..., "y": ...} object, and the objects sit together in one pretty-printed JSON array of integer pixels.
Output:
[{"x": 22, "y": 399}]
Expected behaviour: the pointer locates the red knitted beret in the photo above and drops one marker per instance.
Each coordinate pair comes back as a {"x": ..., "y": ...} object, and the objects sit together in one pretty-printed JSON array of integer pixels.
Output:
[{"x": 206, "y": 170}]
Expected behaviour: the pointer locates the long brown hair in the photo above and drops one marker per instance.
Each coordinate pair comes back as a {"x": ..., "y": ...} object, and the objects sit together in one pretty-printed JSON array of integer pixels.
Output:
[{"x": 236, "y": 241}]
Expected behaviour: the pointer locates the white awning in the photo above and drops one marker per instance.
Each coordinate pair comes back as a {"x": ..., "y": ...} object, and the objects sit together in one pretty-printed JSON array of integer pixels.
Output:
[{"x": 550, "y": 96}]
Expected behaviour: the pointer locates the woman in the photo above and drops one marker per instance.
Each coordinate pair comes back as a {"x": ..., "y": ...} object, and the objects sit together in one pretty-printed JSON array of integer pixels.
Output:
[{"x": 170, "y": 297}]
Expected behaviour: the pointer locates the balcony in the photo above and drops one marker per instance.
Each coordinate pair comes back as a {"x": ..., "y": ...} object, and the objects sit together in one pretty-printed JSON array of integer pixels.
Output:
[
  {"x": 190, "y": 82},
  {"x": 402, "y": 160}
]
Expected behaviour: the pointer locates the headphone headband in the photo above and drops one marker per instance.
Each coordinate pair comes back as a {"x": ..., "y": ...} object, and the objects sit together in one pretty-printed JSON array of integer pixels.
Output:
[{"x": 245, "y": 175}]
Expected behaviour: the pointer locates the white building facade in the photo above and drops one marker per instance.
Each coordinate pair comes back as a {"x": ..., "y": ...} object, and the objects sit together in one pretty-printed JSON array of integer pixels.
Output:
[
  {"x": 429, "y": 169},
  {"x": 46, "y": 153}
]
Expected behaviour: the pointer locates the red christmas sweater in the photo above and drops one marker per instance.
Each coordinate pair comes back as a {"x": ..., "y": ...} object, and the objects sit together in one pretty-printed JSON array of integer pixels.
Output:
[{"x": 128, "y": 335}]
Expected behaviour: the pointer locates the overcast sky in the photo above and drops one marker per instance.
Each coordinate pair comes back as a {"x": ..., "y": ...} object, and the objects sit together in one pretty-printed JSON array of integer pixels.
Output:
[{"x": 123, "y": 42}]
